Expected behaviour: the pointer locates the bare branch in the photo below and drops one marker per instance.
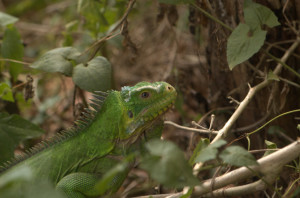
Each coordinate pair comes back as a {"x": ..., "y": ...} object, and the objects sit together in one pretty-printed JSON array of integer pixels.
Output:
[
  {"x": 267, "y": 166},
  {"x": 252, "y": 91},
  {"x": 201, "y": 131}
]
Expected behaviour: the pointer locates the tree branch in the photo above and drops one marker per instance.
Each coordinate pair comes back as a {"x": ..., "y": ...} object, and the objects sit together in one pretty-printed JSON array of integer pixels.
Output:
[
  {"x": 268, "y": 165},
  {"x": 251, "y": 93},
  {"x": 201, "y": 131}
]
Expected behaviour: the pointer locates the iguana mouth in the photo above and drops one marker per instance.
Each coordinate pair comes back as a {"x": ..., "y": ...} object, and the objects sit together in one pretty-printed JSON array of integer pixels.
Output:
[{"x": 157, "y": 109}]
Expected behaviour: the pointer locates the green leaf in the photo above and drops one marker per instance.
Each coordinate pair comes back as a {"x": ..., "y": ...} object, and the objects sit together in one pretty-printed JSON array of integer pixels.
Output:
[
  {"x": 166, "y": 164},
  {"x": 270, "y": 145},
  {"x": 256, "y": 15},
  {"x": 94, "y": 76},
  {"x": 176, "y": 1},
  {"x": 210, "y": 152},
  {"x": 242, "y": 44},
  {"x": 13, "y": 130},
  {"x": 20, "y": 183},
  {"x": 203, "y": 143},
  {"x": 6, "y": 19},
  {"x": 237, "y": 156},
  {"x": 23, "y": 173},
  {"x": 58, "y": 60},
  {"x": 6, "y": 92},
  {"x": 12, "y": 48}
]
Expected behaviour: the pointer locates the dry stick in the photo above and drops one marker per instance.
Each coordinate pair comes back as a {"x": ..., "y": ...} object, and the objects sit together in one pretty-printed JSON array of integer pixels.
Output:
[
  {"x": 245, "y": 189},
  {"x": 267, "y": 165},
  {"x": 201, "y": 131},
  {"x": 252, "y": 91}
]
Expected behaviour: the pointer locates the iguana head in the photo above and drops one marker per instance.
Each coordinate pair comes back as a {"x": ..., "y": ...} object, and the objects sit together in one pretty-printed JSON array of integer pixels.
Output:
[{"x": 144, "y": 103}]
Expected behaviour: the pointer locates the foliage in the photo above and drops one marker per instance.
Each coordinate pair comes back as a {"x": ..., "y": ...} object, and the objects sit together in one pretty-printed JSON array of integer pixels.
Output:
[
  {"x": 13, "y": 130},
  {"x": 233, "y": 155},
  {"x": 246, "y": 39},
  {"x": 165, "y": 163},
  {"x": 210, "y": 152},
  {"x": 94, "y": 75},
  {"x": 20, "y": 184},
  {"x": 72, "y": 55},
  {"x": 237, "y": 156},
  {"x": 6, "y": 92}
]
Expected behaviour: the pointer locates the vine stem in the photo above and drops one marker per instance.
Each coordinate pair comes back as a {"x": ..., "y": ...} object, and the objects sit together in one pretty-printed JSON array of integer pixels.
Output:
[
  {"x": 212, "y": 17},
  {"x": 112, "y": 33},
  {"x": 14, "y": 61},
  {"x": 251, "y": 93},
  {"x": 283, "y": 114},
  {"x": 268, "y": 166}
]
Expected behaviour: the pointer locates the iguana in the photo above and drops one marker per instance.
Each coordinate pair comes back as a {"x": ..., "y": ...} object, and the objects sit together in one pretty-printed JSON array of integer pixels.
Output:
[{"x": 76, "y": 159}]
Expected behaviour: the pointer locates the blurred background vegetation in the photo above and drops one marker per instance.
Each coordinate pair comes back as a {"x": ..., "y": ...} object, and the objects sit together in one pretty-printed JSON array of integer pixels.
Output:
[{"x": 159, "y": 42}]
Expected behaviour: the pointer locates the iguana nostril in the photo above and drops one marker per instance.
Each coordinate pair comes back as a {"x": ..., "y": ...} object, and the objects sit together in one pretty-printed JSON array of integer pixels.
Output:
[{"x": 169, "y": 88}]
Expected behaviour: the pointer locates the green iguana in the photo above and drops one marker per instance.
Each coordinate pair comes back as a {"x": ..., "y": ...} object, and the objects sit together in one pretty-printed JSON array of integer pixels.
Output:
[{"x": 76, "y": 159}]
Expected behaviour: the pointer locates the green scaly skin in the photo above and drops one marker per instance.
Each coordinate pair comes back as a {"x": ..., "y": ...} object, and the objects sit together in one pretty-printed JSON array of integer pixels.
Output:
[{"x": 78, "y": 159}]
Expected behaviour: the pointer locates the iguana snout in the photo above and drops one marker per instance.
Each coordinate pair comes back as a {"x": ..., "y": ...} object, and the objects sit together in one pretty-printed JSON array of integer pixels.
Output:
[{"x": 144, "y": 103}]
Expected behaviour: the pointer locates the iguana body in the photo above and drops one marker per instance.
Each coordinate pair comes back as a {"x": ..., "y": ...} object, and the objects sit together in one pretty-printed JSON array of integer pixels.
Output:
[{"x": 76, "y": 160}]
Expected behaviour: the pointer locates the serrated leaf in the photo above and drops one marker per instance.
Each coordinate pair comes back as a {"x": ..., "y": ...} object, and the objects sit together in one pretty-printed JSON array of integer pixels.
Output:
[
  {"x": 95, "y": 76},
  {"x": 203, "y": 143},
  {"x": 242, "y": 44},
  {"x": 270, "y": 145},
  {"x": 13, "y": 130},
  {"x": 256, "y": 15},
  {"x": 58, "y": 60},
  {"x": 6, "y": 19},
  {"x": 166, "y": 164},
  {"x": 237, "y": 156},
  {"x": 12, "y": 48},
  {"x": 272, "y": 76},
  {"x": 174, "y": 2},
  {"x": 210, "y": 152},
  {"x": 6, "y": 92}
]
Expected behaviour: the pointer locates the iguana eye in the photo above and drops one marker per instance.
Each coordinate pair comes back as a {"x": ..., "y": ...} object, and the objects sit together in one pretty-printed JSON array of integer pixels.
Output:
[{"x": 145, "y": 94}]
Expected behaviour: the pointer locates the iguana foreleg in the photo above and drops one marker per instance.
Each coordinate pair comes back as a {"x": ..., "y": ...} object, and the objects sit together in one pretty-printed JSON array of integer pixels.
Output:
[
  {"x": 81, "y": 185},
  {"x": 78, "y": 185}
]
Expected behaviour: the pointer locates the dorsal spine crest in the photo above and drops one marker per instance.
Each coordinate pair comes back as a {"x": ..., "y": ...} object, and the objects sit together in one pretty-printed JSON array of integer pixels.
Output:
[{"x": 80, "y": 124}]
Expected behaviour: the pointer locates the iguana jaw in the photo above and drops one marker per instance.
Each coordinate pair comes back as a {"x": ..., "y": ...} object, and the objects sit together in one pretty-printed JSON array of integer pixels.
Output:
[
  {"x": 162, "y": 106},
  {"x": 146, "y": 111}
]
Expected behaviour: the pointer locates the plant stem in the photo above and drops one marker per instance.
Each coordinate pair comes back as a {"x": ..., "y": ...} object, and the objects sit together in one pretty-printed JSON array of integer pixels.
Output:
[{"x": 212, "y": 17}]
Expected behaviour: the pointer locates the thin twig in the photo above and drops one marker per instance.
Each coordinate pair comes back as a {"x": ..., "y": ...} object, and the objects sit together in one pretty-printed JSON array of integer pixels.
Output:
[
  {"x": 213, "y": 111},
  {"x": 251, "y": 93},
  {"x": 267, "y": 164},
  {"x": 289, "y": 82},
  {"x": 201, "y": 131},
  {"x": 253, "y": 125},
  {"x": 262, "y": 150},
  {"x": 112, "y": 33},
  {"x": 212, "y": 17},
  {"x": 14, "y": 61}
]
